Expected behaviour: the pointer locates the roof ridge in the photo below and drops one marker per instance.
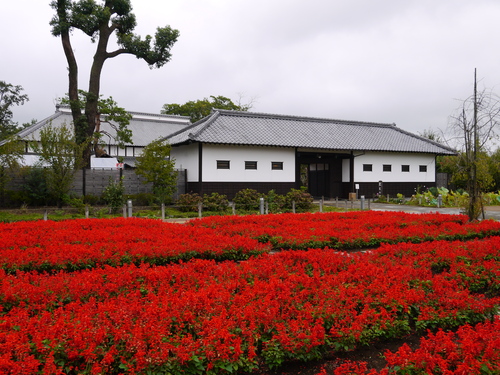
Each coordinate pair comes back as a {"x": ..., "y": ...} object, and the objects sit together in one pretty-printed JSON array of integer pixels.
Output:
[
  {"x": 208, "y": 120},
  {"x": 65, "y": 106},
  {"x": 300, "y": 118}
]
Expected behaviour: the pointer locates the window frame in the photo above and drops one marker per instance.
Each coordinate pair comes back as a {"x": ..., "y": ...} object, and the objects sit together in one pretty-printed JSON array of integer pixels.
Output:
[
  {"x": 367, "y": 167},
  {"x": 422, "y": 168},
  {"x": 250, "y": 165},
  {"x": 405, "y": 168},
  {"x": 386, "y": 167},
  {"x": 276, "y": 165},
  {"x": 221, "y": 164}
]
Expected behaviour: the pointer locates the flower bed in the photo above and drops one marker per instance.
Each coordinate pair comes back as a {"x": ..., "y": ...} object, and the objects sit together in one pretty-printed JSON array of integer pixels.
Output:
[
  {"x": 349, "y": 230},
  {"x": 85, "y": 243},
  {"x": 470, "y": 350},
  {"x": 213, "y": 317}
]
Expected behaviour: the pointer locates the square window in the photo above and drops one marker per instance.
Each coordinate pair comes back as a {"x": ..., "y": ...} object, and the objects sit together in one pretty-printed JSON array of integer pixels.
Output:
[
  {"x": 405, "y": 168},
  {"x": 250, "y": 165},
  {"x": 387, "y": 167},
  {"x": 277, "y": 165},
  {"x": 422, "y": 168},
  {"x": 367, "y": 167},
  {"x": 222, "y": 164}
]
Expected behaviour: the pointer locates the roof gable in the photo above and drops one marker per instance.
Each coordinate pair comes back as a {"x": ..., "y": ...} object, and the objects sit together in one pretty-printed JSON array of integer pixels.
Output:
[{"x": 247, "y": 128}]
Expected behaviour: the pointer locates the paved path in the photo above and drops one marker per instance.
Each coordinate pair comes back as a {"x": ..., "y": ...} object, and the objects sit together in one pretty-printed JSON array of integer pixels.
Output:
[{"x": 491, "y": 212}]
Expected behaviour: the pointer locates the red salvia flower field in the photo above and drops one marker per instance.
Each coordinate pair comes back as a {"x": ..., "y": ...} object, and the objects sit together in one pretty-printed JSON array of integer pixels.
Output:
[{"x": 139, "y": 296}]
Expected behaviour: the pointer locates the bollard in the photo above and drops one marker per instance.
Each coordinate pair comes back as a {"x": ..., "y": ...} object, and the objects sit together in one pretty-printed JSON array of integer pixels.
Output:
[
  {"x": 321, "y": 205},
  {"x": 267, "y": 208},
  {"x": 233, "y": 205},
  {"x": 124, "y": 210},
  {"x": 45, "y": 215},
  {"x": 261, "y": 206},
  {"x": 388, "y": 199},
  {"x": 293, "y": 206},
  {"x": 129, "y": 205},
  {"x": 362, "y": 202},
  {"x": 440, "y": 201},
  {"x": 199, "y": 209},
  {"x": 86, "y": 212},
  {"x": 163, "y": 211},
  {"x": 336, "y": 202}
]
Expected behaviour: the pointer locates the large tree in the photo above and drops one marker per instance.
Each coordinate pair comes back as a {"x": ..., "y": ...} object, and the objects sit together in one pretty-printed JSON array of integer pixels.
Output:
[
  {"x": 10, "y": 95},
  {"x": 100, "y": 20},
  {"x": 198, "y": 109}
]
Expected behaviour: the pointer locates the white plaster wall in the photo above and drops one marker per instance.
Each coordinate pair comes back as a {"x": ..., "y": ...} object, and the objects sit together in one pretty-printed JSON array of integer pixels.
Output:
[
  {"x": 186, "y": 157},
  {"x": 237, "y": 155},
  {"x": 396, "y": 160}
]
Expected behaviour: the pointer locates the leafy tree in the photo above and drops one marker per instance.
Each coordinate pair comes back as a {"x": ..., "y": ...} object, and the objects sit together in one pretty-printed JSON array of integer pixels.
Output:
[
  {"x": 455, "y": 166},
  {"x": 155, "y": 165},
  {"x": 494, "y": 168},
  {"x": 100, "y": 20},
  {"x": 60, "y": 156},
  {"x": 10, "y": 95},
  {"x": 432, "y": 135},
  {"x": 196, "y": 110},
  {"x": 11, "y": 151}
]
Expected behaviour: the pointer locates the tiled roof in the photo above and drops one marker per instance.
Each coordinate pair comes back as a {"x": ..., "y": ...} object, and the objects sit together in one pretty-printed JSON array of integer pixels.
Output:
[
  {"x": 247, "y": 128},
  {"x": 145, "y": 127}
]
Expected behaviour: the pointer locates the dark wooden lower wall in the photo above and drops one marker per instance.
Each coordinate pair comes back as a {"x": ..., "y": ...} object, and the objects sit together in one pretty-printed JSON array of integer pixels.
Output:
[
  {"x": 371, "y": 189},
  {"x": 231, "y": 188},
  {"x": 368, "y": 189}
]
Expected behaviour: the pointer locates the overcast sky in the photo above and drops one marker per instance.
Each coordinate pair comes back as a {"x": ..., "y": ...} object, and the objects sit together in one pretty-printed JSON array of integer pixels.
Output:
[{"x": 407, "y": 62}]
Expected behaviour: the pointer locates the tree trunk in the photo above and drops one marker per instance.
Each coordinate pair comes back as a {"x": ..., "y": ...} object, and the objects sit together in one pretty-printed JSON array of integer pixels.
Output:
[{"x": 91, "y": 105}]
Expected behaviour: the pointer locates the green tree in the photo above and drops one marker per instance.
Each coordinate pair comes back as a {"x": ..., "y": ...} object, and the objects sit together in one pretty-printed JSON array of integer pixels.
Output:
[
  {"x": 60, "y": 155},
  {"x": 10, "y": 95},
  {"x": 11, "y": 151},
  {"x": 196, "y": 110},
  {"x": 456, "y": 167},
  {"x": 156, "y": 166},
  {"x": 100, "y": 20},
  {"x": 494, "y": 167}
]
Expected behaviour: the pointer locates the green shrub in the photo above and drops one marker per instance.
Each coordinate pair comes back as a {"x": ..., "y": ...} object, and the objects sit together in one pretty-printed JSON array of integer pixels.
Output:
[
  {"x": 188, "y": 202},
  {"x": 303, "y": 200},
  {"x": 143, "y": 199},
  {"x": 247, "y": 199},
  {"x": 276, "y": 202},
  {"x": 35, "y": 188},
  {"x": 92, "y": 200},
  {"x": 215, "y": 202},
  {"x": 114, "y": 195}
]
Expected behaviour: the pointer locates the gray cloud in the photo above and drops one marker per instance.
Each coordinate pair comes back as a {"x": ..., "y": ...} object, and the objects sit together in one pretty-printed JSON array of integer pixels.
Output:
[{"x": 387, "y": 61}]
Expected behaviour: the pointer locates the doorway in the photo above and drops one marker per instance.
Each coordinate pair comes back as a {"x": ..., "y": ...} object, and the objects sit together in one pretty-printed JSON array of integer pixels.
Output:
[{"x": 317, "y": 178}]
